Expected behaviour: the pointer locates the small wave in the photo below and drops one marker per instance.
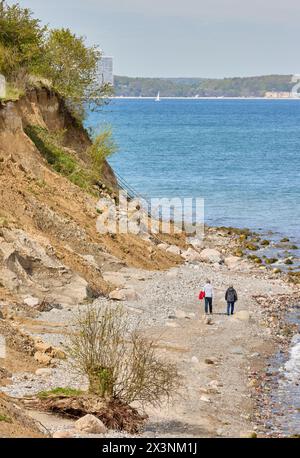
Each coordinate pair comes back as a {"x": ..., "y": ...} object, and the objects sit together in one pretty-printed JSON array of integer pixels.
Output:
[{"x": 292, "y": 366}]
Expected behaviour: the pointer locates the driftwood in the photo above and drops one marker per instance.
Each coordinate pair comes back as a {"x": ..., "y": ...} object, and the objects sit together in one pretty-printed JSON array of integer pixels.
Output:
[{"x": 114, "y": 413}]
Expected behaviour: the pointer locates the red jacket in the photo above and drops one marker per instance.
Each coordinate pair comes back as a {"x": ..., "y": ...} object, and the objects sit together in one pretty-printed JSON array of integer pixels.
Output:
[{"x": 201, "y": 295}]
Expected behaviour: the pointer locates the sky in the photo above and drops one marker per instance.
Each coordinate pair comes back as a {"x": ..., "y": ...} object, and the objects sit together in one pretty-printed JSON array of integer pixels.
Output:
[{"x": 184, "y": 38}]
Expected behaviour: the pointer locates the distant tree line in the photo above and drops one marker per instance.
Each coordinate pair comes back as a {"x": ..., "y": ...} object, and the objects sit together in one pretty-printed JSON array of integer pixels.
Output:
[{"x": 255, "y": 86}]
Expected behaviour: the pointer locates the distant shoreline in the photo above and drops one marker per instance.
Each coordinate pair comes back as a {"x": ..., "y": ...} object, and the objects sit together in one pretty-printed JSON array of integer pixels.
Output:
[{"x": 202, "y": 98}]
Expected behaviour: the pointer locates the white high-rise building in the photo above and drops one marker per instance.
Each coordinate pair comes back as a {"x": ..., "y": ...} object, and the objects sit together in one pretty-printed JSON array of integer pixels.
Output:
[{"x": 106, "y": 70}]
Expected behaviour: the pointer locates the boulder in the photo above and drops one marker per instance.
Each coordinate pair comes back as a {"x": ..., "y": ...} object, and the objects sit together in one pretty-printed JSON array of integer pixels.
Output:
[
  {"x": 123, "y": 295},
  {"x": 43, "y": 347},
  {"x": 232, "y": 262},
  {"x": 191, "y": 255},
  {"x": 44, "y": 372},
  {"x": 43, "y": 358},
  {"x": 58, "y": 353},
  {"x": 90, "y": 424},
  {"x": 173, "y": 249},
  {"x": 163, "y": 246},
  {"x": 210, "y": 255}
]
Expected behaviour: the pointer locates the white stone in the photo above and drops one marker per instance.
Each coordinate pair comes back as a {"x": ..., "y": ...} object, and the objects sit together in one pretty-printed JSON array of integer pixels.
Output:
[
  {"x": 210, "y": 255},
  {"x": 31, "y": 301},
  {"x": 204, "y": 399},
  {"x": 191, "y": 255},
  {"x": 195, "y": 360},
  {"x": 90, "y": 424},
  {"x": 123, "y": 295},
  {"x": 44, "y": 372},
  {"x": 173, "y": 249},
  {"x": 163, "y": 246}
]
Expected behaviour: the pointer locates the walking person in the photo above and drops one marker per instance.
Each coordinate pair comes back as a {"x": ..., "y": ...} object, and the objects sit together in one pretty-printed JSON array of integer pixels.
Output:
[
  {"x": 209, "y": 294},
  {"x": 231, "y": 298}
]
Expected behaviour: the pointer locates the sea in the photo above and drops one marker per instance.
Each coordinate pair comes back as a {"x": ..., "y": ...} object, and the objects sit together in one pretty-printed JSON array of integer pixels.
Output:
[{"x": 242, "y": 156}]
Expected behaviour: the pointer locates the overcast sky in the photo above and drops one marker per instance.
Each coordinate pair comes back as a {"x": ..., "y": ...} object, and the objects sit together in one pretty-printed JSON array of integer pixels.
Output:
[{"x": 199, "y": 38}]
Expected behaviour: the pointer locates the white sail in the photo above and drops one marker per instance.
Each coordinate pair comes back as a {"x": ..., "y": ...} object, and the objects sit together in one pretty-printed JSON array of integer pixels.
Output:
[{"x": 157, "y": 98}]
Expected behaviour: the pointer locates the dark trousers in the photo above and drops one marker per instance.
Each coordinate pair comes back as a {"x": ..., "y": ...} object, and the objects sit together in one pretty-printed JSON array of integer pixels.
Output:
[
  {"x": 230, "y": 308},
  {"x": 208, "y": 304}
]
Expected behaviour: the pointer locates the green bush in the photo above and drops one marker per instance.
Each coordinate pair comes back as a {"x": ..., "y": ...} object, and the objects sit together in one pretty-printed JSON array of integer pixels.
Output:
[
  {"x": 63, "y": 162},
  {"x": 103, "y": 146}
]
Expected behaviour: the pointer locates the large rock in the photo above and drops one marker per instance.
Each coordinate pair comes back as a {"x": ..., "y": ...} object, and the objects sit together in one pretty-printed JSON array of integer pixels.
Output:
[
  {"x": 90, "y": 424},
  {"x": 191, "y": 255},
  {"x": 28, "y": 269},
  {"x": 173, "y": 249},
  {"x": 210, "y": 255},
  {"x": 163, "y": 246},
  {"x": 123, "y": 295},
  {"x": 232, "y": 262},
  {"x": 42, "y": 358}
]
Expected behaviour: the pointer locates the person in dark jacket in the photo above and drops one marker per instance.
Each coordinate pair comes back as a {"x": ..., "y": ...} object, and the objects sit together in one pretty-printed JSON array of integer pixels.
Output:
[{"x": 230, "y": 297}]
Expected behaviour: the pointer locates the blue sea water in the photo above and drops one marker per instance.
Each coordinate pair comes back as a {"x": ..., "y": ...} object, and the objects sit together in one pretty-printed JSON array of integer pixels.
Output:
[{"x": 241, "y": 156}]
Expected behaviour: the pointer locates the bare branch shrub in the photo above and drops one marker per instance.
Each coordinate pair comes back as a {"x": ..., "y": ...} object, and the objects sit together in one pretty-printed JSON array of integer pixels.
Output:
[{"x": 119, "y": 362}]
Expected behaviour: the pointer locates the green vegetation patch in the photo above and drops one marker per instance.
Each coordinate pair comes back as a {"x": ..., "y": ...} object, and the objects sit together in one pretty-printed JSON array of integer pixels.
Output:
[
  {"x": 58, "y": 157},
  {"x": 67, "y": 391},
  {"x": 5, "y": 418},
  {"x": 63, "y": 162}
]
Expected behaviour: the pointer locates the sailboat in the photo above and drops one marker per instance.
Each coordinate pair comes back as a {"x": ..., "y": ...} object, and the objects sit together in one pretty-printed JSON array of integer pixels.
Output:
[{"x": 157, "y": 98}]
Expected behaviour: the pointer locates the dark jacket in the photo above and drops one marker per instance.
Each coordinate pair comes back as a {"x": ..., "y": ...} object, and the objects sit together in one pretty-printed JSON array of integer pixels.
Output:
[{"x": 231, "y": 295}]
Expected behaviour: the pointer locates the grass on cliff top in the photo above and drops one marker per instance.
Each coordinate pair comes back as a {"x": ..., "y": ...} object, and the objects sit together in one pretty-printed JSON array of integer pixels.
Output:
[{"x": 63, "y": 162}]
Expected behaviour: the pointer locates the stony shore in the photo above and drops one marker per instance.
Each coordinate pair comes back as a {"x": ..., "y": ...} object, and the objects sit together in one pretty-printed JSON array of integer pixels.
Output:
[{"x": 223, "y": 360}]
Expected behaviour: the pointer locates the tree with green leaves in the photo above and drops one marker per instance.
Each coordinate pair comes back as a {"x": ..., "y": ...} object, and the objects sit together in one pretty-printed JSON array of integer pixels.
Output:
[
  {"x": 21, "y": 40},
  {"x": 71, "y": 66}
]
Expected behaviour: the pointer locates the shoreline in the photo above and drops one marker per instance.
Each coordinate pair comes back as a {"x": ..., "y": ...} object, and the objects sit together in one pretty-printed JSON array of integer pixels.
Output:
[{"x": 119, "y": 97}]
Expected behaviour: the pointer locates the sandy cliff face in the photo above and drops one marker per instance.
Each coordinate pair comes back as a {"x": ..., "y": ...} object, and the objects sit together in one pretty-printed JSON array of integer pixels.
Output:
[{"x": 49, "y": 245}]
